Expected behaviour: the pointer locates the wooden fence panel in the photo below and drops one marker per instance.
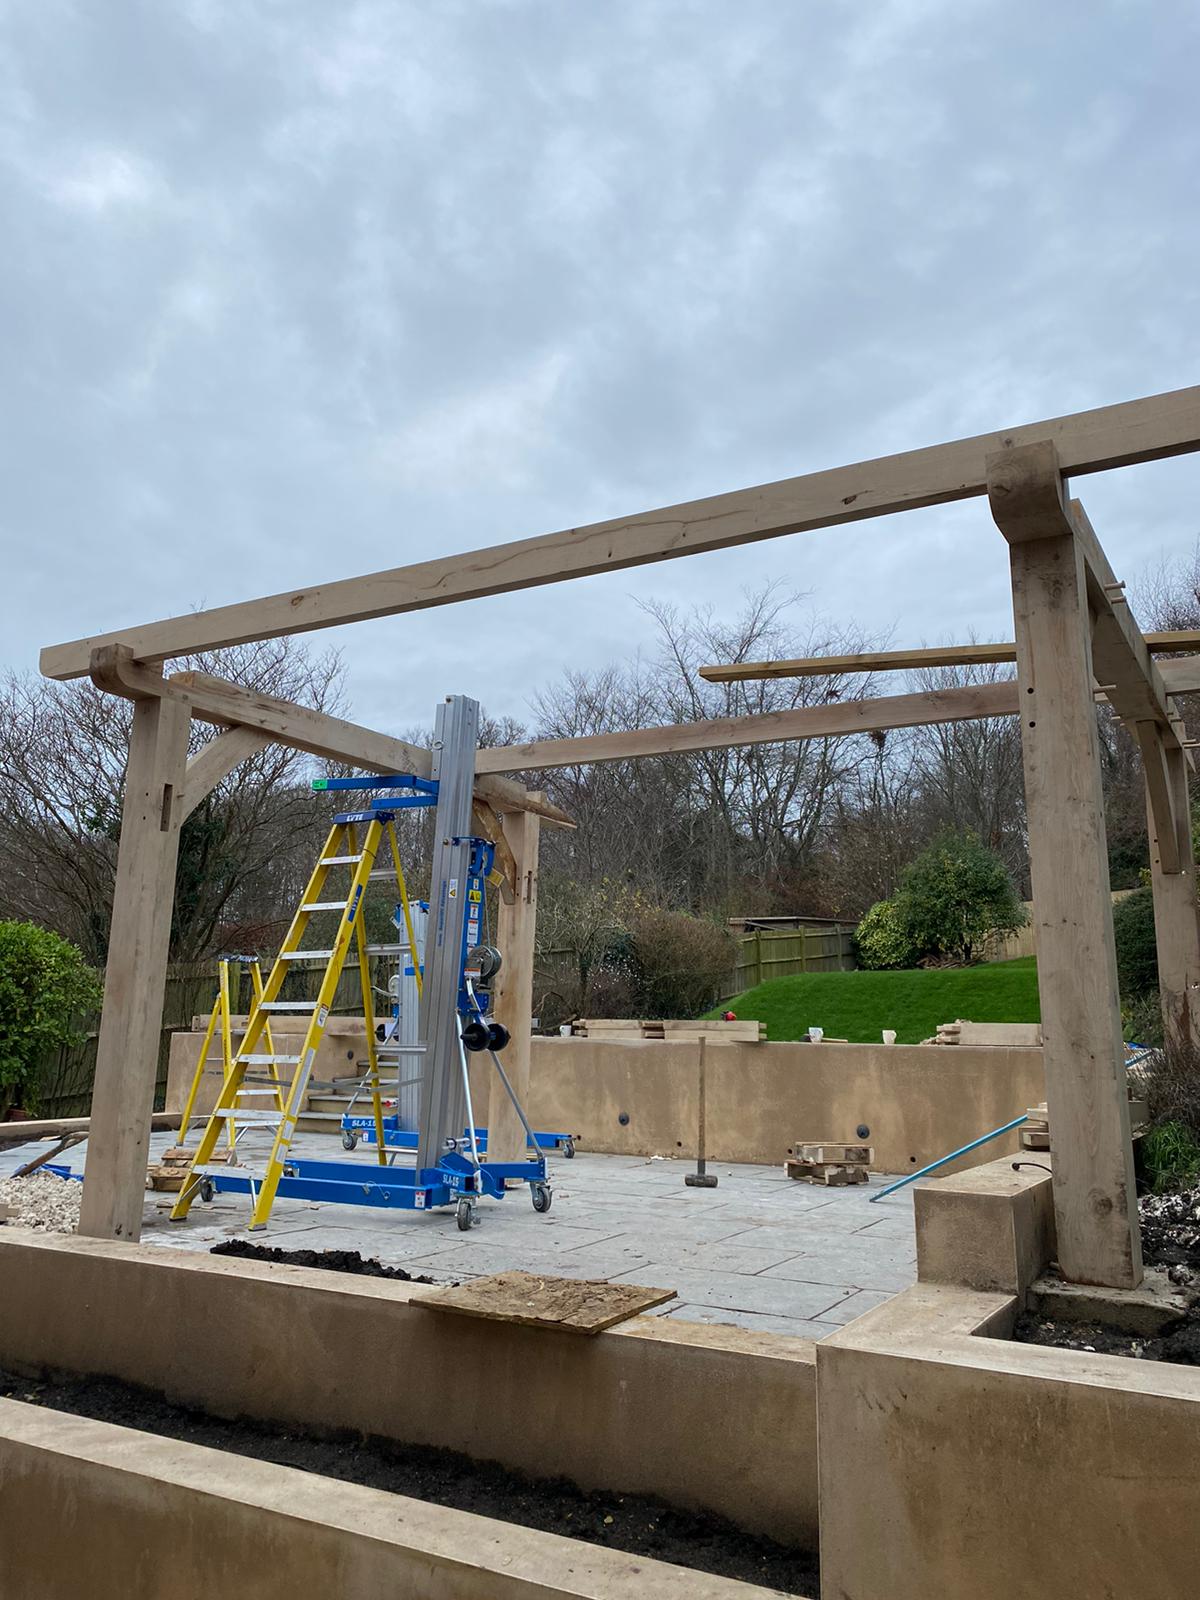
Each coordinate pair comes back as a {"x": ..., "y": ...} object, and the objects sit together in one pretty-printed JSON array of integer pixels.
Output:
[{"x": 769, "y": 953}]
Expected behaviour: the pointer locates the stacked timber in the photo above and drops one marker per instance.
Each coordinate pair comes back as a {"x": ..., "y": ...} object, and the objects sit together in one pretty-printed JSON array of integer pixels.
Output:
[
  {"x": 830, "y": 1162},
  {"x": 169, "y": 1174},
  {"x": 617, "y": 1030},
  {"x": 1011, "y": 1035},
  {"x": 1035, "y": 1130}
]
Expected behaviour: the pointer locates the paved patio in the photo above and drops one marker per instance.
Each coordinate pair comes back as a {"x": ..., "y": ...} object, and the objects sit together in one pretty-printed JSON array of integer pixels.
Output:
[{"x": 760, "y": 1251}]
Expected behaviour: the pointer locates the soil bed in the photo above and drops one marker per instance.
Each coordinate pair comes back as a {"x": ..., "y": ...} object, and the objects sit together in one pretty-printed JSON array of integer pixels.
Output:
[
  {"x": 328, "y": 1260},
  {"x": 1179, "y": 1344},
  {"x": 637, "y": 1524},
  {"x": 1170, "y": 1239}
]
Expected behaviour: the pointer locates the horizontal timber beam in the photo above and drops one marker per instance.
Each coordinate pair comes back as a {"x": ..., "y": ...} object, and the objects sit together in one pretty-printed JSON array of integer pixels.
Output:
[
  {"x": 949, "y": 655},
  {"x": 772, "y": 727},
  {"x": 216, "y": 700},
  {"x": 1087, "y": 441}
]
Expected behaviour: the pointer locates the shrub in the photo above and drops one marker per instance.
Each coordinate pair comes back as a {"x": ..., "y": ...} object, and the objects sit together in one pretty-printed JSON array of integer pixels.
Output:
[
  {"x": 1172, "y": 1156},
  {"x": 678, "y": 961},
  {"x": 45, "y": 988},
  {"x": 1137, "y": 953},
  {"x": 957, "y": 894},
  {"x": 882, "y": 939}
]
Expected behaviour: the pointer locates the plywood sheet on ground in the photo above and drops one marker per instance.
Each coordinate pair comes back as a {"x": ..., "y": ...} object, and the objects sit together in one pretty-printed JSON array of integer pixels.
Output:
[{"x": 576, "y": 1305}]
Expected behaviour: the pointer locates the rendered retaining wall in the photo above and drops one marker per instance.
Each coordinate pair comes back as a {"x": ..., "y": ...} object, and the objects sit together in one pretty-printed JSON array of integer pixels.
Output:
[
  {"x": 96, "y": 1510},
  {"x": 957, "y": 1463},
  {"x": 919, "y": 1101},
  {"x": 713, "y": 1418}
]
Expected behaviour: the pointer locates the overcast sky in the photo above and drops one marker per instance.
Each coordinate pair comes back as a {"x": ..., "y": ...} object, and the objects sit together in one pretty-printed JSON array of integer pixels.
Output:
[{"x": 297, "y": 291}]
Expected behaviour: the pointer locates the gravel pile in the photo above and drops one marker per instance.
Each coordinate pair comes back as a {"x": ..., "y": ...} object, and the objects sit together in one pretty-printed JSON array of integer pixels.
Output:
[{"x": 43, "y": 1201}]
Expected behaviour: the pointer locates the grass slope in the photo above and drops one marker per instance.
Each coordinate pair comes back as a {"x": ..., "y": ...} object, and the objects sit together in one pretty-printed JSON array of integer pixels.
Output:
[{"x": 859, "y": 1005}]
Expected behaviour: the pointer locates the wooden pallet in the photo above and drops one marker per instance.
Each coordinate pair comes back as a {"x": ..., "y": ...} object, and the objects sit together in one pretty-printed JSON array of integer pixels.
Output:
[
  {"x": 169, "y": 1175},
  {"x": 829, "y": 1152},
  {"x": 831, "y": 1173}
]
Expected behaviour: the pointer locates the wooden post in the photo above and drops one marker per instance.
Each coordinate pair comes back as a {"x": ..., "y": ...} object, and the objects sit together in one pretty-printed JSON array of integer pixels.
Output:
[
  {"x": 1095, "y": 1201},
  {"x": 1173, "y": 876},
  {"x": 131, "y": 1023},
  {"x": 513, "y": 998}
]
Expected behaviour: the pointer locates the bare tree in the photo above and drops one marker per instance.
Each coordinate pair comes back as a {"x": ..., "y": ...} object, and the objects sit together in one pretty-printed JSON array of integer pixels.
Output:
[{"x": 245, "y": 851}]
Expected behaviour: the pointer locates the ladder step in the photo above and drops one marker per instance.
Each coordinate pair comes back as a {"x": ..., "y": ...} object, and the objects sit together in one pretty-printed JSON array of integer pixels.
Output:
[
  {"x": 286, "y": 1005},
  {"x": 266, "y": 1061},
  {"x": 338, "y": 861},
  {"x": 322, "y": 905},
  {"x": 386, "y": 949},
  {"x": 305, "y": 955},
  {"x": 253, "y": 1121},
  {"x": 383, "y": 872}
]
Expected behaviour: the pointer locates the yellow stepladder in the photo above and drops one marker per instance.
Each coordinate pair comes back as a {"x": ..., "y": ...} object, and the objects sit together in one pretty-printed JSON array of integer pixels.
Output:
[
  {"x": 341, "y": 848},
  {"x": 221, "y": 1018}
]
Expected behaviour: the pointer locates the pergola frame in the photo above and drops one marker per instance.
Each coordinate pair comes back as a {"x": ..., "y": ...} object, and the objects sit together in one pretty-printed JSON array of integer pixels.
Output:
[{"x": 1075, "y": 637}]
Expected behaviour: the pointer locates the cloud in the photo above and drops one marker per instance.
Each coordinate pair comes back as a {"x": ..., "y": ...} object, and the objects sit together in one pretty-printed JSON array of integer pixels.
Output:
[{"x": 299, "y": 291}]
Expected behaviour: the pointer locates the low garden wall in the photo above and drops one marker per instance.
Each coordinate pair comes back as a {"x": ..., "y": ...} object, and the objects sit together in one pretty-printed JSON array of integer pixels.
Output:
[{"x": 641, "y": 1098}]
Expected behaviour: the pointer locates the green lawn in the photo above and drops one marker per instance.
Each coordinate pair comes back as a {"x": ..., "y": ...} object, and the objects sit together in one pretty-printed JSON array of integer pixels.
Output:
[{"x": 859, "y": 1005}]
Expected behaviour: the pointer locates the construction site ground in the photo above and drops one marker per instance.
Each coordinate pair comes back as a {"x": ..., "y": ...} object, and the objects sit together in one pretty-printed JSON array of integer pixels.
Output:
[{"x": 760, "y": 1251}]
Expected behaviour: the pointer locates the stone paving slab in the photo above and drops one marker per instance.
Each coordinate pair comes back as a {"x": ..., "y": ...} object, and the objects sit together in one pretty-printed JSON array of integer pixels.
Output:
[{"x": 760, "y": 1251}]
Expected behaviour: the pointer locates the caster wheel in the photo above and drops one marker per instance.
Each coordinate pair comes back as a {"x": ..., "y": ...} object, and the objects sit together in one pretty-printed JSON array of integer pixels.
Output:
[
  {"x": 349, "y": 1141},
  {"x": 465, "y": 1215},
  {"x": 206, "y": 1190},
  {"x": 569, "y": 1150},
  {"x": 541, "y": 1195}
]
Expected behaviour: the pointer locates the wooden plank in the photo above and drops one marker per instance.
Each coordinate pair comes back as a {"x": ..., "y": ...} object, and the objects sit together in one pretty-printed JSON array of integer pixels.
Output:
[
  {"x": 1095, "y": 1197},
  {"x": 950, "y": 655},
  {"x": 216, "y": 700},
  {"x": 208, "y": 767},
  {"x": 832, "y": 1152},
  {"x": 773, "y": 727},
  {"x": 130, "y": 1024},
  {"x": 512, "y": 997},
  {"x": 1012, "y": 1035},
  {"x": 55, "y": 1127},
  {"x": 1088, "y": 441},
  {"x": 569, "y": 1305}
]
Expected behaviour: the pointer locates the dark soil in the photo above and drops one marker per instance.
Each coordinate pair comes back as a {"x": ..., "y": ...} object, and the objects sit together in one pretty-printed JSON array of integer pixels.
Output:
[
  {"x": 1179, "y": 1344},
  {"x": 329, "y": 1260},
  {"x": 637, "y": 1524},
  {"x": 1170, "y": 1239}
]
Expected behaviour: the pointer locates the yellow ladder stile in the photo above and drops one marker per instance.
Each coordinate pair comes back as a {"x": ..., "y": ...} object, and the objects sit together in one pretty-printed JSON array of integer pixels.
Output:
[
  {"x": 226, "y": 1105},
  {"x": 214, "y": 1020},
  {"x": 347, "y": 930},
  {"x": 341, "y": 848}
]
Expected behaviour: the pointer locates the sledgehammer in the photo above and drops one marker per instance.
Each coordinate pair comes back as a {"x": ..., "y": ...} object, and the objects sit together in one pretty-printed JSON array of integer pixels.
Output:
[{"x": 700, "y": 1179}]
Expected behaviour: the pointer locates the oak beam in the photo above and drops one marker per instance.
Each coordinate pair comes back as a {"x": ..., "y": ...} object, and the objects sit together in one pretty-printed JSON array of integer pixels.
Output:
[
  {"x": 1095, "y": 1199},
  {"x": 1087, "y": 441},
  {"x": 1173, "y": 880},
  {"x": 216, "y": 700},
  {"x": 513, "y": 995},
  {"x": 948, "y": 655},
  {"x": 131, "y": 1021},
  {"x": 213, "y": 764},
  {"x": 771, "y": 727},
  {"x": 1120, "y": 654}
]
